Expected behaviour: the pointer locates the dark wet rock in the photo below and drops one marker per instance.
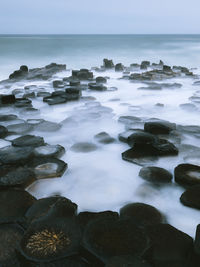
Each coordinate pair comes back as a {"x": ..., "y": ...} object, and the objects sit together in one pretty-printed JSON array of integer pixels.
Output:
[
  {"x": 188, "y": 107},
  {"x": 127, "y": 261},
  {"x": 119, "y": 67},
  {"x": 142, "y": 214},
  {"x": 23, "y": 102},
  {"x": 151, "y": 87},
  {"x": 145, "y": 153},
  {"x": 104, "y": 138},
  {"x": 10, "y": 237},
  {"x": 159, "y": 127},
  {"x": 169, "y": 245},
  {"x": 72, "y": 261},
  {"x": 54, "y": 100},
  {"x": 7, "y": 99},
  {"x": 155, "y": 175},
  {"x": 153, "y": 75},
  {"x": 46, "y": 167},
  {"x": 13, "y": 204},
  {"x": 83, "y": 74},
  {"x": 84, "y": 147},
  {"x": 72, "y": 94},
  {"x": 20, "y": 128},
  {"x": 191, "y": 197},
  {"x": 97, "y": 87},
  {"x": 167, "y": 68},
  {"x": 16, "y": 176},
  {"x": 86, "y": 217},
  {"x": 52, "y": 236},
  {"x": 43, "y": 94},
  {"x": 141, "y": 138},
  {"x": 38, "y": 73},
  {"x": 3, "y": 131},
  {"x": 30, "y": 111},
  {"x": 9, "y": 117},
  {"x": 144, "y": 65},
  {"x": 15, "y": 155},
  {"x": 123, "y": 137},
  {"x": 108, "y": 63},
  {"x": 197, "y": 240},
  {"x": 74, "y": 81},
  {"x": 47, "y": 126},
  {"x": 58, "y": 84},
  {"x": 28, "y": 140},
  {"x": 187, "y": 174},
  {"x": 197, "y": 83},
  {"x": 29, "y": 95},
  {"x": 110, "y": 237},
  {"x": 100, "y": 79},
  {"x": 42, "y": 206},
  {"x": 55, "y": 151}
]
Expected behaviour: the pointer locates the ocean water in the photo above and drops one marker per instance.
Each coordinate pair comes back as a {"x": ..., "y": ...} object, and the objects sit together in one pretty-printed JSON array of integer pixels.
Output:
[{"x": 101, "y": 180}]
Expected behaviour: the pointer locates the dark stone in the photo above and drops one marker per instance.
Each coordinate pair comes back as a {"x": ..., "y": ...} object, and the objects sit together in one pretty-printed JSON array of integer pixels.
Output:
[
  {"x": 9, "y": 117},
  {"x": 101, "y": 80},
  {"x": 110, "y": 237},
  {"x": 104, "y": 138},
  {"x": 127, "y": 120},
  {"x": 47, "y": 126},
  {"x": 127, "y": 261},
  {"x": 191, "y": 197},
  {"x": 43, "y": 94},
  {"x": 188, "y": 107},
  {"x": 54, "y": 100},
  {"x": 72, "y": 261},
  {"x": 10, "y": 237},
  {"x": 15, "y": 155},
  {"x": 119, "y": 67},
  {"x": 108, "y": 64},
  {"x": 142, "y": 214},
  {"x": 141, "y": 138},
  {"x": 84, "y": 147},
  {"x": 29, "y": 95},
  {"x": 16, "y": 176},
  {"x": 55, "y": 151},
  {"x": 144, "y": 65},
  {"x": 155, "y": 175},
  {"x": 97, "y": 87},
  {"x": 52, "y": 236},
  {"x": 3, "y": 131},
  {"x": 42, "y": 206},
  {"x": 168, "y": 245},
  {"x": 28, "y": 140},
  {"x": 7, "y": 99},
  {"x": 58, "y": 84},
  {"x": 72, "y": 94},
  {"x": 187, "y": 174},
  {"x": 13, "y": 204},
  {"x": 23, "y": 102},
  {"x": 86, "y": 217},
  {"x": 46, "y": 167},
  {"x": 159, "y": 127},
  {"x": 166, "y": 68},
  {"x": 197, "y": 240}
]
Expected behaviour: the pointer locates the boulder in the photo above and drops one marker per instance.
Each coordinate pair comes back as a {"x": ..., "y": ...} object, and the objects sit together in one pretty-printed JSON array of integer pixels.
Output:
[
  {"x": 119, "y": 67},
  {"x": 108, "y": 63},
  {"x": 159, "y": 127},
  {"x": 28, "y": 140},
  {"x": 187, "y": 174},
  {"x": 3, "y": 131},
  {"x": 155, "y": 175},
  {"x": 104, "y": 138},
  {"x": 191, "y": 197}
]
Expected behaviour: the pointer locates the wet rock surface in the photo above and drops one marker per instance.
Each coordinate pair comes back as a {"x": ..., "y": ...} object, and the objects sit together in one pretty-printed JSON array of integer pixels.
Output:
[{"x": 155, "y": 175}]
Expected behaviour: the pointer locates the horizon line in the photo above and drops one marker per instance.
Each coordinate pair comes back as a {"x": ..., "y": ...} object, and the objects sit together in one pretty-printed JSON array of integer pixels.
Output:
[{"x": 99, "y": 34}]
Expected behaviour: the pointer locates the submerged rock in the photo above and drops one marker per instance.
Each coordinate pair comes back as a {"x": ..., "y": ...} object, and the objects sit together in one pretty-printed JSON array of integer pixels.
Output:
[
  {"x": 49, "y": 151},
  {"x": 97, "y": 87},
  {"x": 20, "y": 128},
  {"x": 84, "y": 147},
  {"x": 104, "y": 138},
  {"x": 155, "y": 175}
]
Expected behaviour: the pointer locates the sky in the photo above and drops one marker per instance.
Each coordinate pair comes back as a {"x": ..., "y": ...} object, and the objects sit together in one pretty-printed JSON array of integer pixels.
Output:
[{"x": 99, "y": 17}]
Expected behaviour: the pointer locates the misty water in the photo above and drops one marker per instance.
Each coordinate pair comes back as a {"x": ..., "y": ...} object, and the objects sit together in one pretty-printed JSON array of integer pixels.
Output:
[{"x": 100, "y": 180}]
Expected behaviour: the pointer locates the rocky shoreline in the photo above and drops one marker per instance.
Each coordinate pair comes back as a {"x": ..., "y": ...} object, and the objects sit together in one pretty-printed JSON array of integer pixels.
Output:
[{"x": 50, "y": 231}]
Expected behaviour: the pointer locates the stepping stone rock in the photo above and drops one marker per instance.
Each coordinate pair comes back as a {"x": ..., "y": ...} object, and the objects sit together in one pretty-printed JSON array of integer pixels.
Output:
[
  {"x": 55, "y": 151},
  {"x": 28, "y": 140},
  {"x": 159, "y": 127},
  {"x": 3, "y": 131},
  {"x": 142, "y": 214},
  {"x": 155, "y": 175},
  {"x": 45, "y": 167},
  {"x": 47, "y": 126},
  {"x": 187, "y": 174},
  {"x": 15, "y": 155},
  {"x": 20, "y": 128},
  {"x": 191, "y": 197}
]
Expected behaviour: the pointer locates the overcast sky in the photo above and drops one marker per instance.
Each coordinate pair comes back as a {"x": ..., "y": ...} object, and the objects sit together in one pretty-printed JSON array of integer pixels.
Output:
[{"x": 102, "y": 16}]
